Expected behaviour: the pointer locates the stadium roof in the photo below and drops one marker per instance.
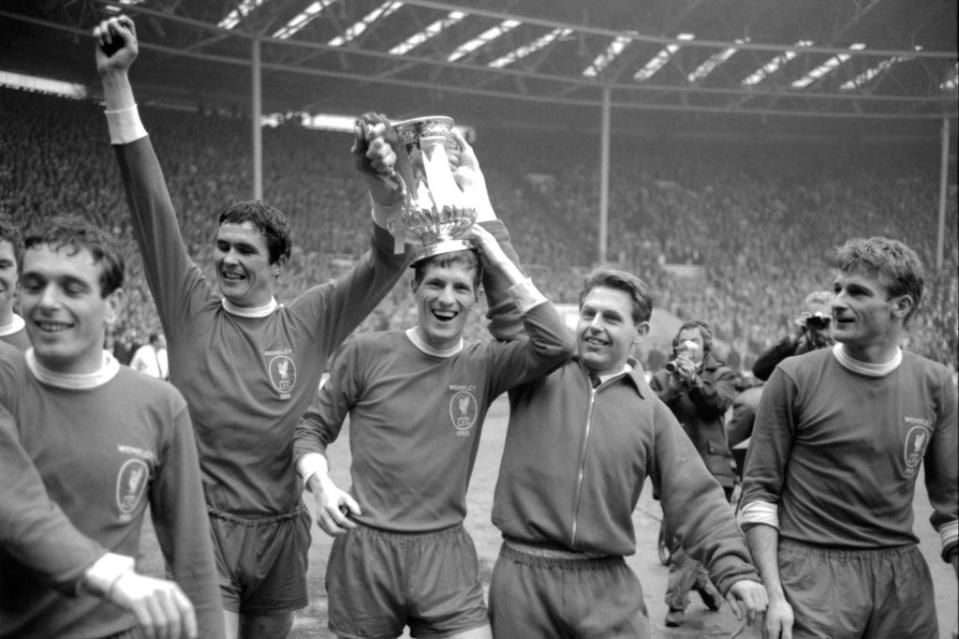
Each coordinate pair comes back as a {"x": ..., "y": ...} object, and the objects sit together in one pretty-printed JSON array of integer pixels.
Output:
[{"x": 683, "y": 67}]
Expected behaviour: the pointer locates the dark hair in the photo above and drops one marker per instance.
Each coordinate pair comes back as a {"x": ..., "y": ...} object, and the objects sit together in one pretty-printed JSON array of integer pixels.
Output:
[
  {"x": 153, "y": 338},
  {"x": 704, "y": 332},
  {"x": 72, "y": 234},
  {"x": 10, "y": 232},
  {"x": 890, "y": 261},
  {"x": 272, "y": 224},
  {"x": 466, "y": 258},
  {"x": 637, "y": 289}
]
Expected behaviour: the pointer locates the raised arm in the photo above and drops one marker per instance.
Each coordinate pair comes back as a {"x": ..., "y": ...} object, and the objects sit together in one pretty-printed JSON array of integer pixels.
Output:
[
  {"x": 167, "y": 265},
  {"x": 547, "y": 342}
]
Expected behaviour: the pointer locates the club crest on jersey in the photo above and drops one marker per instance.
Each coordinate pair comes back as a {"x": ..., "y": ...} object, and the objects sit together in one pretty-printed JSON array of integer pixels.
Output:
[
  {"x": 132, "y": 482},
  {"x": 917, "y": 439},
  {"x": 463, "y": 412},
  {"x": 283, "y": 375}
]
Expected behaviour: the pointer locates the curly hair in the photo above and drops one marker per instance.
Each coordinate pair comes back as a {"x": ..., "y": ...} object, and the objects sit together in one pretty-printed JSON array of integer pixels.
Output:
[{"x": 890, "y": 261}]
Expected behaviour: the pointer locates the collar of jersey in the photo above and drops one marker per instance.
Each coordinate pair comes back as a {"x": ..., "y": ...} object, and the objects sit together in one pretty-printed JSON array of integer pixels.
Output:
[
  {"x": 84, "y": 381},
  {"x": 429, "y": 350},
  {"x": 257, "y": 311},
  {"x": 865, "y": 368},
  {"x": 15, "y": 325}
]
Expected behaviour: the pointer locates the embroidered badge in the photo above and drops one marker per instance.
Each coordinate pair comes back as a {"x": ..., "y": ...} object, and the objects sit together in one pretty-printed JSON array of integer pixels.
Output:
[
  {"x": 915, "y": 447},
  {"x": 283, "y": 374},
  {"x": 463, "y": 412},
  {"x": 131, "y": 484}
]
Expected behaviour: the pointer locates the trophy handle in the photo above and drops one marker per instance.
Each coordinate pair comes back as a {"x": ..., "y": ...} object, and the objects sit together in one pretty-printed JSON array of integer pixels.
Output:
[{"x": 404, "y": 166}]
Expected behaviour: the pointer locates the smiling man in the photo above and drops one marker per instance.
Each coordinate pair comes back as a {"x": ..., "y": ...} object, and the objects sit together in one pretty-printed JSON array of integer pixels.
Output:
[
  {"x": 247, "y": 364},
  {"x": 12, "y": 328},
  {"x": 416, "y": 400},
  {"x": 581, "y": 441},
  {"x": 107, "y": 443},
  {"x": 830, "y": 475}
]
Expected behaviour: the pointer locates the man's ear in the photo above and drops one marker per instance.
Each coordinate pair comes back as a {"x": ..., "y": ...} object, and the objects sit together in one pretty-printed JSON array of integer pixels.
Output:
[
  {"x": 114, "y": 303},
  {"x": 279, "y": 265},
  {"x": 642, "y": 330},
  {"x": 902, "y": 306}
]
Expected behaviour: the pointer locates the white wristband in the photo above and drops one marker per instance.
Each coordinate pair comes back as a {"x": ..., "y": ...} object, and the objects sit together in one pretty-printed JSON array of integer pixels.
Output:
[
  {"x": 310, "y": 464},
  {"x": 105, "y": 571},
  {"x": 759, "y": 512},
  {"x": 125, "y": 125}
]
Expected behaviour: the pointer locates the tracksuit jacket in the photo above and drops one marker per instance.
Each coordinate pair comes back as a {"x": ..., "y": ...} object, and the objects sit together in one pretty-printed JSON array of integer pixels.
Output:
[{"x": 574, "y": 464}]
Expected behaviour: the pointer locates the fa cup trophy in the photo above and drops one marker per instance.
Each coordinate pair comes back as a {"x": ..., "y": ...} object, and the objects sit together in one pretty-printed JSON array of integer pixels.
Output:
[{"x": 435, "y": 211}]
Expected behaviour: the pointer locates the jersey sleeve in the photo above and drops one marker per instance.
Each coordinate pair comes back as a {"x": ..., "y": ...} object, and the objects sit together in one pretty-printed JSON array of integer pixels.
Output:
[
  {"x": 505, "y": 319},
  {"x": 941, "y": 459},
  {"x": 335, "y": 309},
  {"x": 321, "y": 423},
  {"x": 769, "y": 451},
  {"x": 546, "y": 345},
  {"x": 177, "y": 285},
  {"x": 695, "y": 506},
  {"x": 33, "y": 529},
  {"x": 182, "y": 524}
]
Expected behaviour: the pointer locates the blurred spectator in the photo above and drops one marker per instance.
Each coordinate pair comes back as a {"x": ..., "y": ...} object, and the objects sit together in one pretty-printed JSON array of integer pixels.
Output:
[
  {"x": 151, "y": 358},
  {"x": 698, "y": 388},
  {"x": 814, "y": 324}
]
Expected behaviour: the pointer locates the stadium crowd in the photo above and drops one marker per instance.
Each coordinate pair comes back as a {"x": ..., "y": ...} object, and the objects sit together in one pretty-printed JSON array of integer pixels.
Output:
[{"x": 755, "y": 220}]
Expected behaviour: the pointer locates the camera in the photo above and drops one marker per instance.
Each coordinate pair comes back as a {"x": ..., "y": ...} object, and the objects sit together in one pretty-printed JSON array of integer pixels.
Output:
[
  {"x": 686, "y": 350},
  {"x": 818, "y": 322}
]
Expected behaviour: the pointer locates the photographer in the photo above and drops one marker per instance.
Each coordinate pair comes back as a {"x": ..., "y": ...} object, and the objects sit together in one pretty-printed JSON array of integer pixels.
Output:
[
  {"x": 814, "y": 332},
  {"x": 698, "y": 388}
]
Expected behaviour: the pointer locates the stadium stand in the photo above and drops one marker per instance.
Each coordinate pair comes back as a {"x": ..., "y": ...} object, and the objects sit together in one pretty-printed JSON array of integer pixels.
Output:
[{"x": 755, "y": 221}]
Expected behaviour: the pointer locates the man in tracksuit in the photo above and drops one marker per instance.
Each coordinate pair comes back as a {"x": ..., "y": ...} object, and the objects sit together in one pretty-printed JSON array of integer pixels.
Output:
[{"x": 579, "y": 445}]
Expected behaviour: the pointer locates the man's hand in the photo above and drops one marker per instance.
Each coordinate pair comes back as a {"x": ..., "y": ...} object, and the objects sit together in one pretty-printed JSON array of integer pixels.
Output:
[
  {"x": 491, "y": 253},
  {"x": 333, "y": 506},
  {"x": 779, "y": 620},
  {"x": 375, "y": 159},
  {"x": 161, "y": 608},
  {"x": 470, "y": 179},
  {"x": 116, "y": 40},
  {"x": 747, "y": 598},
  {"x": 685, "y": 370}
]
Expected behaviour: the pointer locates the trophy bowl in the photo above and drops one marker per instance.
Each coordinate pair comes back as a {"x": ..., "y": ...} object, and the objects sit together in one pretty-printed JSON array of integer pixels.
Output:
[{"x": 435, "y": 212}]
